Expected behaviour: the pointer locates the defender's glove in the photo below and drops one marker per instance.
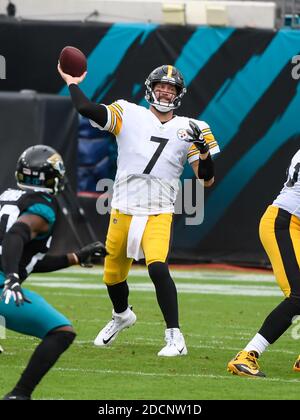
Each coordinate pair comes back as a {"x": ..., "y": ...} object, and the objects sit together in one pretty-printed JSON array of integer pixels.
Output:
[
  {"x": 197, "y": 138},
  {"x": 95, "y": 248},
  {"x": 13, "y": 289}
]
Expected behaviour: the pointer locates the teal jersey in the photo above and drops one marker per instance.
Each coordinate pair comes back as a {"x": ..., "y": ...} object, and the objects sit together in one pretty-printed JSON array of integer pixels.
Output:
[{"x": 14, "y": 203}]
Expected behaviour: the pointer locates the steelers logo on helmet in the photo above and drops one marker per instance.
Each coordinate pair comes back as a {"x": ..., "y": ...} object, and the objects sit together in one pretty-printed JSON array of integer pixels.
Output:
[
  {"x": 40, "y": 168},
  {"x": 165, "y": 74}
]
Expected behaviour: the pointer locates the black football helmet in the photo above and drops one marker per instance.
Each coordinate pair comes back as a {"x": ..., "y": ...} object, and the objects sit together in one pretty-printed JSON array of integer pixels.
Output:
[
  {"x": 40, "y": 168},
  {"x": 165, "y": 74}
]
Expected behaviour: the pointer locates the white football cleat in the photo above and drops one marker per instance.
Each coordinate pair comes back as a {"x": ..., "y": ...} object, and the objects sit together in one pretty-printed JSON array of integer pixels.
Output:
[
  {"x": 1, "y": 350},
  {"x": 110, "y": 332},
  {"x": 175, "y": 344}
]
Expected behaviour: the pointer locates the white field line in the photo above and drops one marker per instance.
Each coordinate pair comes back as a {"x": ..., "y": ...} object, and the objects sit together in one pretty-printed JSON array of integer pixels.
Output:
[
  {"x": 177, "y": 274},
  {"x": 152, "y": 374},
  {"x": 212, "y": 289},
  {"x": 60, "y": 277},
  {"x": 153, "y": 342},
  {"x": 52, "y": 280},
  {"x": 168, "y": 375},
  {"x": 144, "y": 341},
  {"x": 90, "y": 296}
]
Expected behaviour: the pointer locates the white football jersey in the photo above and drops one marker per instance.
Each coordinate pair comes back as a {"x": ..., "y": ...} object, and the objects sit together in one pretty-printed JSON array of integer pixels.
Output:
[
  {"x": 151, "y": 157},
  {"x": 289, "y": 197}
]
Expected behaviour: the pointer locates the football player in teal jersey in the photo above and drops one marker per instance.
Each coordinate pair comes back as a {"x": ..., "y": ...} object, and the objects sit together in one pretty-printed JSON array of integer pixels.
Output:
[{"x": 27, "y": 220}]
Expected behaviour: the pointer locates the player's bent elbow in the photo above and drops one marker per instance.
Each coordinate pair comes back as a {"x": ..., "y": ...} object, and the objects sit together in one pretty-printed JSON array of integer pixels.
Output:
[{"x": 209, "y": 183}]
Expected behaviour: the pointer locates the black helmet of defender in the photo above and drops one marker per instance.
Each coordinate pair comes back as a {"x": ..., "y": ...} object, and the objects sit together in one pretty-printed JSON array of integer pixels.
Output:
[
  {"x": 40, "y": 168},
  {"x": 165, "y": 74}
]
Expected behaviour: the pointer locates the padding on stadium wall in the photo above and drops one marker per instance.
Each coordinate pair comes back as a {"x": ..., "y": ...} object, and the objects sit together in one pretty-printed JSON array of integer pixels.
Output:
[{"x": 243, "y": 82}]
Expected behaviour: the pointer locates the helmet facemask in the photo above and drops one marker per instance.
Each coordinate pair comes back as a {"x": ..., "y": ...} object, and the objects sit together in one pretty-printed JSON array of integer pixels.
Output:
[{"x": 165, "y": 74}]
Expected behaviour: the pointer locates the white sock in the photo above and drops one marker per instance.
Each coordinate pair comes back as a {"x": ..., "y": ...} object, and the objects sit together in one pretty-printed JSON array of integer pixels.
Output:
[
  {"x": 258, "y": 344},
  {"x": 124, "y": 313}
]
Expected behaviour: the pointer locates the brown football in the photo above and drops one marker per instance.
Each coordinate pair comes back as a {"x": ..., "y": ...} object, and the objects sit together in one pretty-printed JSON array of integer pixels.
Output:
[{"x": 72, "y": 61}]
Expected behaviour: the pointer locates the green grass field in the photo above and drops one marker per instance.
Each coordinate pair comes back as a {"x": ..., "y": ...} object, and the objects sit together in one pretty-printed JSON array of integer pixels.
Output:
[{"x": 219, "y": 310}]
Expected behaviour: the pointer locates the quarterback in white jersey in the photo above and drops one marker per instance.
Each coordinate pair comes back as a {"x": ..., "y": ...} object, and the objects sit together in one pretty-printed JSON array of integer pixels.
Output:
[
  {"x": 151, "y": 157},
  {"x": 279, "y": 232},
  {"x": 153, "y": 147}
]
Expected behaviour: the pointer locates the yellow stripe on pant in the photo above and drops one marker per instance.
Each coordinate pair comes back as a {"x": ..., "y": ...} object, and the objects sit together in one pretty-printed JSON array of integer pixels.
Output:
[
  {"x": 155, "y": 244},
  {"x": 279, "y": 233}
]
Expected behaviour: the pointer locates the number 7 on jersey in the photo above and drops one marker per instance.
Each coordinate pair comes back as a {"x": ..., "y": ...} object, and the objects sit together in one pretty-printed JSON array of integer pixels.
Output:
[{"x": 162, "y": 144}]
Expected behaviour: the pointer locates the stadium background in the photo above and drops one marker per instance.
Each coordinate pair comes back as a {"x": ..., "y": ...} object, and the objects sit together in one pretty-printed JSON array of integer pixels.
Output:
[{"x": 239, "y": 81}]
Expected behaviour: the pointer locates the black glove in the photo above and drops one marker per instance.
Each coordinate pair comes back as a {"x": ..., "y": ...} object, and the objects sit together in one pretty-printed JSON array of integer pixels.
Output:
[
  {"x": 197, "y": 138},
  {"x": 13, "y": 289},
  {"x": 96, "y": 248}
]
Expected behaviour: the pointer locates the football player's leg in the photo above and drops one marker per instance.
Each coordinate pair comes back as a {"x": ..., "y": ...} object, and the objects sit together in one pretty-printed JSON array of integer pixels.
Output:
[
  {"x": 283, "y": 248},
  {"x": 41, "y": 320},
  {"x": 292, "y": 268},
  {"x": 279, "y": 233},
  {"x": 156, "y": 244},
  {"x": 116, "y": 269}
]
